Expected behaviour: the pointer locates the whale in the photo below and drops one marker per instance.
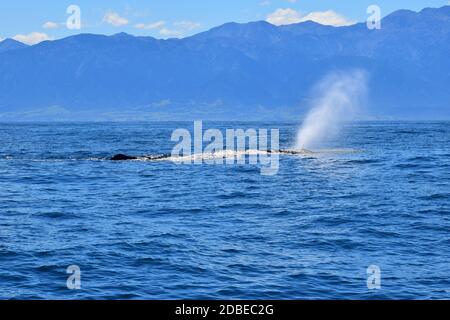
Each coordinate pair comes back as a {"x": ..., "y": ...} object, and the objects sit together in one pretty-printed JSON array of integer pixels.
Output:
[{"x": 124, "y": 157}]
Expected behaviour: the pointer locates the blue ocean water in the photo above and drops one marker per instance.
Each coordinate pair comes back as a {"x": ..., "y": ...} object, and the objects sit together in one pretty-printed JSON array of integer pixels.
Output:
[{"x": 159, "y": 230}]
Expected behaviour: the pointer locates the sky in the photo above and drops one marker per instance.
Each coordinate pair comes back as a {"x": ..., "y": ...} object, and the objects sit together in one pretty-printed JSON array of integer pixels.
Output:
[{"x": 32, "y": 22}]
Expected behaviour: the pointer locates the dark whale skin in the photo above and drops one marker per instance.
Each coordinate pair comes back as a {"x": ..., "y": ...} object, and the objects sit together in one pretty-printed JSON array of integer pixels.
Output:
[{"x": 122, "y": 157}]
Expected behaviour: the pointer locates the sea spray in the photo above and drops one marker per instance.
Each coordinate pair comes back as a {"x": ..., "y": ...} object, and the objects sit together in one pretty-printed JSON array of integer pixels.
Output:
[{"x": 339, "y": 97}]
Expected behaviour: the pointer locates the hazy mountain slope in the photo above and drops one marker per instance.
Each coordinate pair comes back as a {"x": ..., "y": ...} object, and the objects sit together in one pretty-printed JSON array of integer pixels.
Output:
[
  {"x": 10, "y": 44},
  {"x": 254, "y": 70}
]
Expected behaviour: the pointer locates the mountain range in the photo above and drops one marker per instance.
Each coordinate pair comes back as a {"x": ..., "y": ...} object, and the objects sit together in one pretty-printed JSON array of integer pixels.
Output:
[{"x": 251, "y": 71}]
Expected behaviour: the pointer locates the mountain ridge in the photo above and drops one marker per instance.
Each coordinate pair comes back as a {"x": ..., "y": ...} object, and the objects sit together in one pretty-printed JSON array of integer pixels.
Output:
[
  {"x": 252, "y": 71},
  {"x": 11, "y": 44}
]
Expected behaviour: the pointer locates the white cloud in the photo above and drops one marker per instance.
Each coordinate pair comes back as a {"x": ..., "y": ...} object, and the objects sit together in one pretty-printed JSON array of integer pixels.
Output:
[
  {"x": 32, "y": 38},
  {"x": 187, "y": 25},
  {"x": 1, "y": 39},
  {"x": 289, "y": 16},
  {"x": 180, "y": 28},
  {"x": 50, "y": 25},
  {"x": 170, "y": 33},
  {"x": 154, "y": 25},
  {"x": 114, "y": 19},
  {"x": 284, "y": 16},
  {"x": 329, "y": 17}
]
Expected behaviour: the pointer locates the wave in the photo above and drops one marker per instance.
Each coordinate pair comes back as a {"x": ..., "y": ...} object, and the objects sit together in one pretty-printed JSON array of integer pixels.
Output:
[
  {"x": 225, "y": 154},
  {"x": 53, "y": 159}
]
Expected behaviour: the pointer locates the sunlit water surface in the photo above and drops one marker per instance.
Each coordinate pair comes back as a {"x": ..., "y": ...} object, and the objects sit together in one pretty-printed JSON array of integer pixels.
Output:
[{"x": 159, "y": 230}]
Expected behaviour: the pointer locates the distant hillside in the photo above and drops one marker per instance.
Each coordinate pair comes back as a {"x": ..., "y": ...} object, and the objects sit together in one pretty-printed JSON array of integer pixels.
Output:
[
  {"x": 10, "y": 44},
  {"x": 235, "y": 71}
]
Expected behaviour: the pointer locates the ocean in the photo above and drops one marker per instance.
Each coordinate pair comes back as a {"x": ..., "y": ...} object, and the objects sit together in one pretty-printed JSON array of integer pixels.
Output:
[{"x": 162, "y": 230}]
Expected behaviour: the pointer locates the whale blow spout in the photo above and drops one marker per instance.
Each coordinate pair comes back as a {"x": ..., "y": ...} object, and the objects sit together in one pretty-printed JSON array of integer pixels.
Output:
[{"x": 339, "y": 99}]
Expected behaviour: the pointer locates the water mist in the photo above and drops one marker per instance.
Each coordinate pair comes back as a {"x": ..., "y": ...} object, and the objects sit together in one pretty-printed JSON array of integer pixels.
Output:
[{"x": 339, "y": 98}]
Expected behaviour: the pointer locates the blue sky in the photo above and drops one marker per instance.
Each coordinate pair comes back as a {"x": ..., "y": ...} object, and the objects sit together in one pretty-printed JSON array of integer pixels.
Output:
[{"x": 39, "y": 20}]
